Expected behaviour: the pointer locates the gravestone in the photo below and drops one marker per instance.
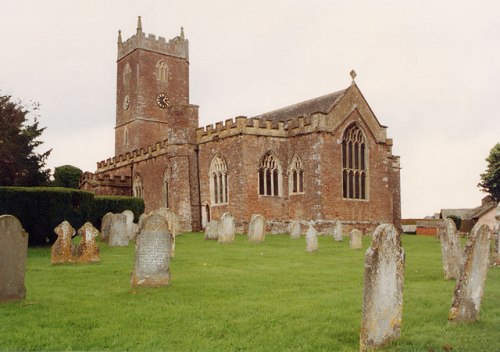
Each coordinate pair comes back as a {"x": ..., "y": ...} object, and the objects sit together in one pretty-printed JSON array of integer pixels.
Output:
[
  {"x": 118, "y": 236},
  {"x": 355, "y": 239},
  {"x": 13, "y": 252},
  {"x": 337, "y": 231},
  {"x": 256, "y": 228},
  {"x": 62, "y": 249},
  {"x": 105, "y": 227},
  {"x": 129, "y": 224},
  {"x": 383, "y": 289},
  {"x": 87, "y": 250},
  {"x": 295, "y": 230},
  {"x": 226, "y": 228},
  {"x": 212, "y": 230},
  {"x": 495, "y": 260},
  {"x": 141, "y": 221},
  {"x": 311, "y": 239},
  {"x": 451, "y": 253},
  {"x": 152, "y": 254},
  {"x": 172, "y": 222},
  {"x": 470, "y": 284}
]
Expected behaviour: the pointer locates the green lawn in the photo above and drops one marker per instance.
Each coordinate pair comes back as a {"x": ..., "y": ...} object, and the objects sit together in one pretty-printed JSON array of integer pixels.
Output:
[{"x": 242, "y": 296}]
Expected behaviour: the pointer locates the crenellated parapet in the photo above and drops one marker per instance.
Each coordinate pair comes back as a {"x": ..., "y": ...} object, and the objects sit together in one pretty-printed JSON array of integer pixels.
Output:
[
  {"x": 104, "y": 180},
  {"x": 178, "y": 46}
]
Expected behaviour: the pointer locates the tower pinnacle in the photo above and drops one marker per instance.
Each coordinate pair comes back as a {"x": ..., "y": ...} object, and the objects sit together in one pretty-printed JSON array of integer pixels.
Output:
[
  {"x": 139, "y": 24},
  {"x": 182, "y": 32},
  {"x": 119, "y": 36}
]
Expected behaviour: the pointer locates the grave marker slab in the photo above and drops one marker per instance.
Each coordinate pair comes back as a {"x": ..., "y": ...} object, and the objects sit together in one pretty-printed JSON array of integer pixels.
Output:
[
  {"x": 129, "y": 224},
  {"x": 337, "y": 231},
  {"x": 105, "y": 227},
  {"x": 62, "y": 249},
  {"x": 355, "y": 239},
  {"x": 295, "y": 230},
  {"x": 13, "y": 253},
  {"x": 451, "y": 253},
  {"x": 311, "y": 239},
  {"x": 118, "y": 236},
  {"x": 256, "y": 228},
  {"x": 212, "y": 230},
  {"x": 226, "y": 229},
  {"x": 87, "y": 250}
]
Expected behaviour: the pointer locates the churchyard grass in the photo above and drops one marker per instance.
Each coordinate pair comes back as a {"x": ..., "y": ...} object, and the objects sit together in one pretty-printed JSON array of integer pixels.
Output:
[{"x": 241, "y": 296}]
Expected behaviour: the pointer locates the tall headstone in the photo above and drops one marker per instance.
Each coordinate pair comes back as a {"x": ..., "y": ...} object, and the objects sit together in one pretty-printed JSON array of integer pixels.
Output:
[
  {"x": 256, "y": 228},
  {"x": 152, "y": 254},
  {"x": 62, "y": 249},
  {"x": 226, "y": 229},
  {"x": 212, "y": 230},
  {"x": 105, "y": 227},
  {"x": 495, "y": 259},
  {"x": 172, "y": 222},
  {"x": 129, "y": 224},
  {"x": 355, "y": 239},
  {"x": 383, "y": 289},
  {"x": 470, "y": 284},
  {"x": 13, "y": 252},
  {"x": 118, "y": 236},
  {"x": 295, "y": 230},
  {"x": 337, "y": 231},
  {"x": 311, "y": 239},
  {"x": 451, "y": 253},
  {"x": 87, "y": 250}
]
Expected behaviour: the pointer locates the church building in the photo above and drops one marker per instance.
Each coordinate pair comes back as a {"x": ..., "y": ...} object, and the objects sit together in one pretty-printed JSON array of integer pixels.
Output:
[{"x": 321, "y": 160}]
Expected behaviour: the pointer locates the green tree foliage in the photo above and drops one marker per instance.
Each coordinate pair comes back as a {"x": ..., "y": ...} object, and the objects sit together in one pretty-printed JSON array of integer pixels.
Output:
[
  {"x": 20, "y": 165},
  {"x": 490, "y": 179},
  {"x": 67, "y": 176}
]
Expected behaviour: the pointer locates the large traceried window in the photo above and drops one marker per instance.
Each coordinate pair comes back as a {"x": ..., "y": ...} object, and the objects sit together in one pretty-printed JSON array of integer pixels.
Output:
[
  {"x": 296, "y": 176},
  {"x": 161, "y": 71},
  {"x": 270, "y": 176},
  {"x": 218, "y": 180},
  {"x": 138, "y": 187},
  {"x": 354, "y": 163}
]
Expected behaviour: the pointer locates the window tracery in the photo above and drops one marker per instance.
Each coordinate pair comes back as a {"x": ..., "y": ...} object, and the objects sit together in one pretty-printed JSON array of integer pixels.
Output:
[
  {"x": 218, "y": 180},
  {"x": 296, "y": 176},
  {"x": 354, "y": 163},
  {"x": 270, "y": 176}
]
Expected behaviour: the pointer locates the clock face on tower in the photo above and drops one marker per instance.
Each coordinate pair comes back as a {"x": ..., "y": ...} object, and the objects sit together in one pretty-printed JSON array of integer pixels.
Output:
[{"x": 162, "y": 101}]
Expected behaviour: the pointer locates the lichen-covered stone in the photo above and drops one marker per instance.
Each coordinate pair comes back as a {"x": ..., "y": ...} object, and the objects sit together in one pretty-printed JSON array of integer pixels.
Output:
[
  {"x": 470, "y": 285},
  {"x": 13, "y": 252},
  {"x": 226, "y": 228},
  {"x": 87, "y": 250},
  {"x": 118, "y": 235},
  {"x": 212, "y": 230},
  {"x": 256, "y": 228},
  {"x": 295, "y": 230},
  {"x": 355, "y": 239},
  {"x": 152, "y": 254},
  {"x": 337, "y": 231},
  {"x": 63, "y": 249},
  {"x": 451, "y": 253},
  {"x": 383, "y": 289},
  {"x": 311, "y": 239},
  {"x": 105, "y": 227},
  {"x": 129, "y": 224}
]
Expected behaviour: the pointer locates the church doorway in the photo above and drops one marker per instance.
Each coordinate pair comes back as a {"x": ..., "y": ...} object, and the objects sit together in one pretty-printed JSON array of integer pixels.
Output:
[{"x": 205, "y": 215}]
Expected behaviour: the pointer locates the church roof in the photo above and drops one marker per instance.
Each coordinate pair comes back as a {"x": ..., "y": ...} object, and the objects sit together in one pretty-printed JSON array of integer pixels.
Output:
[{"x": 323, "y": 104}]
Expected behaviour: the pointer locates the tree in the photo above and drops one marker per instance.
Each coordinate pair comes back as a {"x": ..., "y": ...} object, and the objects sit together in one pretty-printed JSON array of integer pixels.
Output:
[
  {"x": 20, "y": 165},
  {"x": 490, "y": 179},
  {"x": 67, "y": 176}
]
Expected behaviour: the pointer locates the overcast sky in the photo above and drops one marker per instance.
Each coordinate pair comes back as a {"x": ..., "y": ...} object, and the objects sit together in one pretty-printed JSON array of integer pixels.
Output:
[{"x": 430, "y": 70}]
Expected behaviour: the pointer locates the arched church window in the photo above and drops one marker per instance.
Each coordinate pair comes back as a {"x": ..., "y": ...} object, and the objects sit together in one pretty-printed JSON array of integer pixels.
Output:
[
  {"x": 354, "y": 163},
  {"x": 127, "y": 71},
  {"x": 270, "y": 175},
  {"x": 296, "y": 176},
  {"x": 161, "y": 71},
  {"x": 125, "y": 136},
  {"x": 218, "y": 180},
  {"x": 138, "y": 187}
]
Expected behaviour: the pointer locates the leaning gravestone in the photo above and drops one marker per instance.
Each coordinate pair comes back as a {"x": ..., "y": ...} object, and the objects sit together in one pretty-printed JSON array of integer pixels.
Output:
[
  {"x": 295, "y": 230},
  {"x": 256, "y": 228},
  {"x": 383, "y": 289},
  {"x": 226, "y": 229},
  {"x": 118, "y": 236},
  {"x": 13, "y": 252},
  {"x": 152, "y": 254},
  {"x": 451, "y": 253},
  {"x": 337, "y": 231},
  {"x": 212, "y": 230},
  {"x": 87, "y": 250},
  {"x": 356, "y": 239},
  {"x": 62, "y": 249},
  {"x": 130, "y": 224},
  {"x": 470, "y": 284},
  {"x": 311, "y": 239},
  {"x": 105, "y": 227},
  {"x": 495, "y": 260}
]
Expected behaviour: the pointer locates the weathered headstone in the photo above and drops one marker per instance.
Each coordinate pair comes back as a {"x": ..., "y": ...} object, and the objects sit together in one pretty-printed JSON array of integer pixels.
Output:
[
  {"x": 105, "y": 227},
  {"x": 295, "y": 230},
  {"x": 470, "y": 284},
  {"x": 451, "y": 253},
  {"x": 62, "y": 249},
  {"x": 87, "y": 250},
  {"x": 256, "y": 228},
  {"x": 129, "y": 224},
  {"x": 226, "y": 229},
  {"x": 152, "y": 254},
  {"x": 495, "y": 259},
  {"x": 118, "y": 236},
  {"x": 13, "y": 252},
  {"x": 172, "y": 222},
  {"x": 311, "y": 239},
  {"x": 355, "y": 239},
  {"x": 337, "y": 231},
  {"x": 212, "y": 230},
  {"x": 383, "y": 289}
]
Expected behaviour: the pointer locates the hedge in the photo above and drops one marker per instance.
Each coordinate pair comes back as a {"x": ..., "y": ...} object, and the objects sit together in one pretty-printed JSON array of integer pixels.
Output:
[{"x": 41, "y": 209}]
